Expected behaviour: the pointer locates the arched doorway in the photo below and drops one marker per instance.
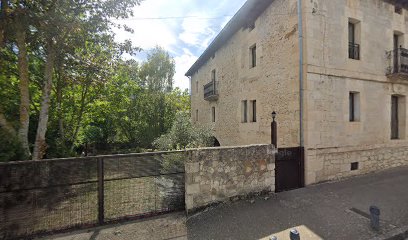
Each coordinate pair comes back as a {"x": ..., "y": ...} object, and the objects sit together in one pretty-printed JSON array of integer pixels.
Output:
[{"x": 216, "y": 142}]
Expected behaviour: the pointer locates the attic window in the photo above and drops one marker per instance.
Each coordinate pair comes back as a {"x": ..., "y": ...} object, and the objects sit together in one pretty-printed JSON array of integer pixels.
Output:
[
  {"x": 398, "y": 9},
  {"x": 251, "y": 26}
]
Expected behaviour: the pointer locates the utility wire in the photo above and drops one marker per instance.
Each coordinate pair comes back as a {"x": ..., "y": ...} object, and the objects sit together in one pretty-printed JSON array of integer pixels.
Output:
[
  {"x": 182, "y": 17},
  {"x": 200, "y": 17}
]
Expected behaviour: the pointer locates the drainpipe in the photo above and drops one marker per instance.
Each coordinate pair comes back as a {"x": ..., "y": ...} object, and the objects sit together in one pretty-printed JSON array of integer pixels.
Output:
[{"x": 300, "y": 28}]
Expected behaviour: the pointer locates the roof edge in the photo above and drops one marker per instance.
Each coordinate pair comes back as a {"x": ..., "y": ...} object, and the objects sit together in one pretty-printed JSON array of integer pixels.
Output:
[{"x": 248, "y": 13}]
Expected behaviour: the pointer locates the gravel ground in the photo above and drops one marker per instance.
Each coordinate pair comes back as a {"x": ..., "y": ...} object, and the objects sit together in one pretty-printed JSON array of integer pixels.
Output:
[{"x": 169, "y": 226}]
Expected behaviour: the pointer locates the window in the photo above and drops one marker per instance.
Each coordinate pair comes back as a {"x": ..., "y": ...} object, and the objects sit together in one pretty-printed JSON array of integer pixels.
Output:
[
  {"x": 253, "y": 111},
  {"x": 354, "y": 166},
  {"x": 398, "y": 9},
  {"x": 398, "y": 120},
  {"x": 253, "y": 56},
  {"x": 213, "y": 114},
  {"x": 354, "y": 39},
  {"x": 397, "y": 117},
  {"x": 354, "y": 106},
  {"x": 251, "y": 26},
  {"x": 244, "y": 110},
  {"x": 197, "y": 115},
  {"x": 213, "y": 75},
  {"x": 197, "y": 86},
  {"x": 398, "y": 40}
]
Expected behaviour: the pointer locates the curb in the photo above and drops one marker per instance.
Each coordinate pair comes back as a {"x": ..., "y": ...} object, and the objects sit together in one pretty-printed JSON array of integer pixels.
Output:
[{"x": 396, "y": 234}]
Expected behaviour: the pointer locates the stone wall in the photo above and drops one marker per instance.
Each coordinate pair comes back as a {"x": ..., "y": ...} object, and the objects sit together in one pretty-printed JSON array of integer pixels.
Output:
[
  {"x": 273, "y": 83},
  {"x": 332, "y": 141},
  {"x": 334, "y": 164},
  {"x": 218, "y": 174}
]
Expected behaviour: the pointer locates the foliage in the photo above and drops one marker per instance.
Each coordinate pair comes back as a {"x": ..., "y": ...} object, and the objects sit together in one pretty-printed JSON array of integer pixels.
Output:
[
  {"x": 184, "y": 135},
  {"x": 10, "y": 148},
  {"x": 65, "y": 85}
]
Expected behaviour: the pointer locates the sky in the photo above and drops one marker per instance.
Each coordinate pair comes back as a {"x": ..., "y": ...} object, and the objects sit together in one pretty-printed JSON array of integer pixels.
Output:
[{"x": 184, "y": 28}]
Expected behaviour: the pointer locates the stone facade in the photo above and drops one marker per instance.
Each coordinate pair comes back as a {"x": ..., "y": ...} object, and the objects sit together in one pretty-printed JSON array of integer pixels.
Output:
[
  {"x": 273, "y": 83},
  {"x": 335, "y": 163},
  {"x": 218, "y": 174},
  {"x": 331, "y": 141}
]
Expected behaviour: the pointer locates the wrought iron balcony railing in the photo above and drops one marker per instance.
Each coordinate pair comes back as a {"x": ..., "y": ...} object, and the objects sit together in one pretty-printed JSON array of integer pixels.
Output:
[
  {"x": 397, "y": 62},
  {"x": 211, "y": 91},
  {"x": 354, "y": 51}
]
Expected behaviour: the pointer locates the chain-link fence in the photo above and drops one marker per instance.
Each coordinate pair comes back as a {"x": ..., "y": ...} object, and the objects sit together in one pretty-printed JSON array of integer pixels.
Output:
[{"x": 39, "y": 197}]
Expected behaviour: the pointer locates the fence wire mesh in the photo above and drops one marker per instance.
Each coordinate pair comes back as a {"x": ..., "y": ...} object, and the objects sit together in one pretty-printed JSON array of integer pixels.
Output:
[{"x": 39, "y": 197}]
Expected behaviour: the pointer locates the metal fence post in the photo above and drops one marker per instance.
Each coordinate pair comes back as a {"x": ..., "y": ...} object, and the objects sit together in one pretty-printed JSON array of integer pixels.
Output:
[
  {"x": 274, "y": 139},
  {"x": 101, "y": 196}
]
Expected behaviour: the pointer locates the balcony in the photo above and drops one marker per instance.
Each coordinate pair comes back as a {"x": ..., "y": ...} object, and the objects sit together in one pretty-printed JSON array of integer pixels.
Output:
[
  {"x": 211, "y": 91},
  {"x": 397, "y": 63},
  {"x": 354, "y": 51}
]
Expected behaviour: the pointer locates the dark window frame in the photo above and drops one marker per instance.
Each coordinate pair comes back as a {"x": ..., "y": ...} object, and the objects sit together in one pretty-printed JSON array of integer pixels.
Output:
[
  {"x": 254, "y": 111},
  {"x": 251, "y": 26},
  {"x": 351, "y": 107},
  {"x": 354, "y": 166},
  {"x": 398, "y": 9},
  {"x": 354, "y": 47},
  {"x": 245, "y": 111},
  {"x": 394, "y": 117},
  {"x": 353, "y": 114},
  {"x": 253, "y": 56}
]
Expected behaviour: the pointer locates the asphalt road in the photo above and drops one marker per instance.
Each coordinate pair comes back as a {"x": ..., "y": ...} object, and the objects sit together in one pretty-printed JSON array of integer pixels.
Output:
[
  {"x": 327, "y": 211},
  {"x": 331, "y": 210}
]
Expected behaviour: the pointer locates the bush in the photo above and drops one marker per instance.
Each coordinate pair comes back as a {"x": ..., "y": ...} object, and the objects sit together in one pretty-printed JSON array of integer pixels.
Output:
[
  {"x": 10, "y": 148},
  {"x": 184, "y": 135}
]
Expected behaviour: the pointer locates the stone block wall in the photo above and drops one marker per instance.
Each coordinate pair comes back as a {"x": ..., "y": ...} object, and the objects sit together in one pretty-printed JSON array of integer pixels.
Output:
[
  {"x": 218, "y": 174},
  {"x": 335, "y": 163},
  {"x": 273, "y": 83}
]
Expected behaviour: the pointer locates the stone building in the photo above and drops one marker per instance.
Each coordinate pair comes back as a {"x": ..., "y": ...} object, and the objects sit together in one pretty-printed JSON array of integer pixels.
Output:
[{"x": 338, "y": 83}]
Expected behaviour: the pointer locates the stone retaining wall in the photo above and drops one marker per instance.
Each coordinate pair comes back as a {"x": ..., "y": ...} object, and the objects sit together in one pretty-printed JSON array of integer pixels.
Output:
[
  {"x": 218, "y": 174},
  {"x": 335, "y": 163}
]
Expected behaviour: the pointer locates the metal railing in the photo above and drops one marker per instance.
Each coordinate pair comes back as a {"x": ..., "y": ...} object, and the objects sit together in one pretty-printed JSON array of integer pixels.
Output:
[
  {"x": 397, "y": 61},
  {"x": 211, "y": 91},
  {"x": 354, "y": 51},
  {"x": 39, "y": 197}
]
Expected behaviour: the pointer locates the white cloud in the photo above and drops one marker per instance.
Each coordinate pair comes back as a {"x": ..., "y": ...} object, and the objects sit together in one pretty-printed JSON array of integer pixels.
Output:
[
  {"x": 184, "y": 38},
  {"x": 195, "y": 31},
  {"x": 148, "y": 35},
  {"x": 183, "y": 63}
]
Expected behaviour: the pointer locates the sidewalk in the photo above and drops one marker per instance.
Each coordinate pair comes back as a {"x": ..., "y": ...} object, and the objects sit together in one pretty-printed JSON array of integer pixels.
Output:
[
  {"x": 326, "y": 211},
  {"x": 169, "y": 226},
  {"x": 329, "y": 211}
]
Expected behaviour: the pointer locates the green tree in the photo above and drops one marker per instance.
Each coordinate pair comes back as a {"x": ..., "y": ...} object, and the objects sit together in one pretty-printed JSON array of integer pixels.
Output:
[
  {"x": 52, "y": 31},
  {"x": 184, "y": 135},
  {"x": 158, "y": 71}
]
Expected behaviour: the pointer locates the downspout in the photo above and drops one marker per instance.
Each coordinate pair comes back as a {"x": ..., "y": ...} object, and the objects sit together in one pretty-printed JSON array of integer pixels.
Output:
[{"x": 300, "y": 29}]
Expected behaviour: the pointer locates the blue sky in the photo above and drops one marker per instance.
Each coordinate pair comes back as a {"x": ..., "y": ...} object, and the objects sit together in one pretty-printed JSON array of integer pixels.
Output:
[{"x": 184, "y": 28}]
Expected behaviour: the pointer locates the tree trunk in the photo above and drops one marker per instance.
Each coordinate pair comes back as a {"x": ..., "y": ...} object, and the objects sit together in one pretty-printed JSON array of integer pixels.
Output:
[
  {"x": 61, "y": 131},
  {"x": 80, "y": 114},
  {"x": 24, "y": 90},
  {"x": 40, "y": 146}
]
